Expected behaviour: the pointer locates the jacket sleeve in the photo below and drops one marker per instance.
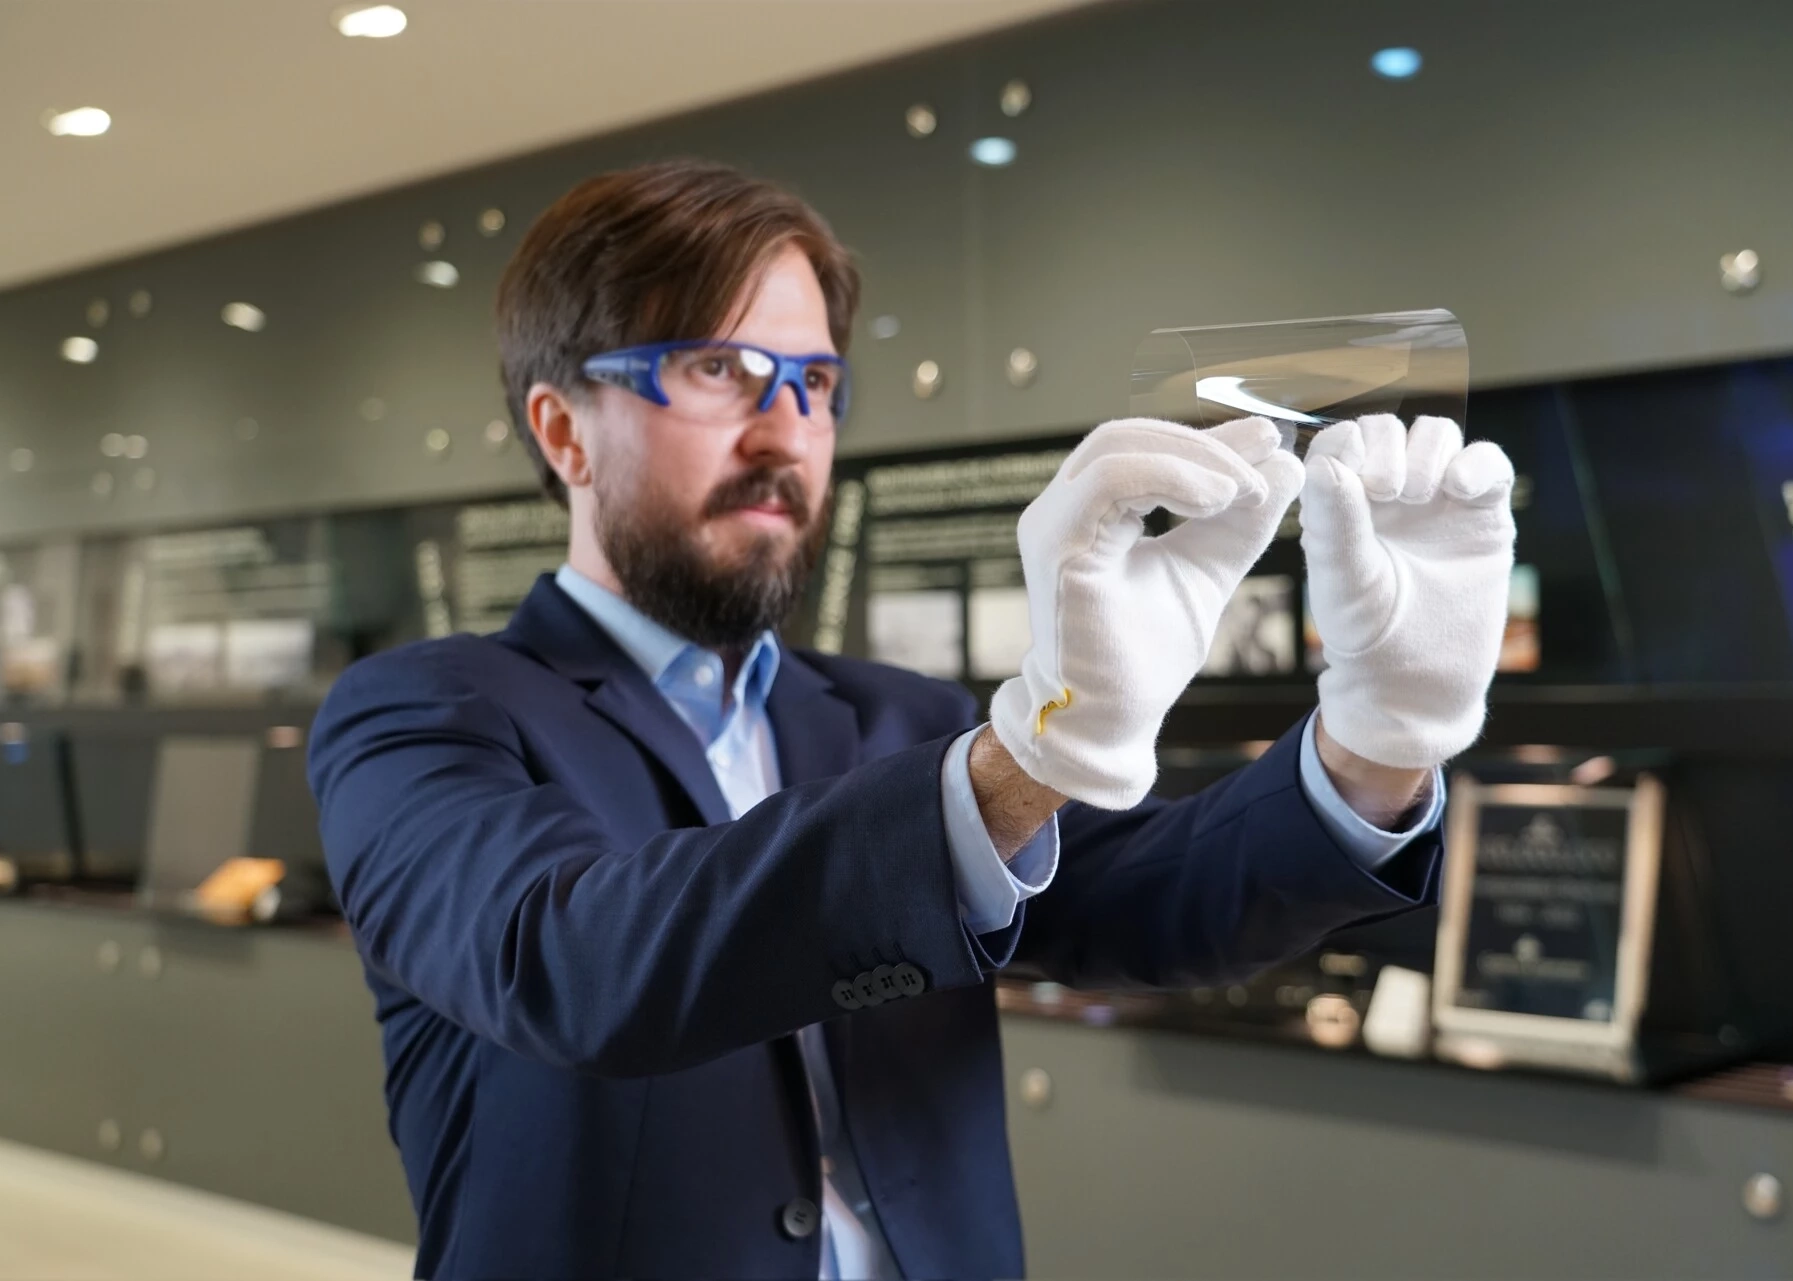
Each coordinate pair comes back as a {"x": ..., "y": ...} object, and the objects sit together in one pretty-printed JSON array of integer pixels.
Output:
[
  {"x": 506, "y": 906},
  {"x": 1210, "y": 888}
]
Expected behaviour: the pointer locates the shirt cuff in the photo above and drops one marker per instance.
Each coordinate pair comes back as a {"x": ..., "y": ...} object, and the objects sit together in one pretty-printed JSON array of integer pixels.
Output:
[
  {"x": 989, "y": 890},
  {"x": 1368, "y": 845}
]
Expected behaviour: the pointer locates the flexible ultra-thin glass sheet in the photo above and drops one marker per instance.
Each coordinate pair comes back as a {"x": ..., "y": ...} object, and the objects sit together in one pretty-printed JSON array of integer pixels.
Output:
[{"x": 1304, "y": 374}]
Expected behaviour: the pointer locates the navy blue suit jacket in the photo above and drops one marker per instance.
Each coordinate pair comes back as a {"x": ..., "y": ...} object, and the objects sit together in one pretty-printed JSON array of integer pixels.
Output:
[{"x": 587, "y": 977}]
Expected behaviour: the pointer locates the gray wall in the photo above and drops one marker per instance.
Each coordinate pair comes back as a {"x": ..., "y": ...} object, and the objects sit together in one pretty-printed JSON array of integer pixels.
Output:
[{"x": 1564, "y": 176}]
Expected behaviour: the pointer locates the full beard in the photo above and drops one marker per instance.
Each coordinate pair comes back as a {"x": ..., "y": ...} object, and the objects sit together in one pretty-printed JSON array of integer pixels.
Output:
[{"x": 667, "y": 574}]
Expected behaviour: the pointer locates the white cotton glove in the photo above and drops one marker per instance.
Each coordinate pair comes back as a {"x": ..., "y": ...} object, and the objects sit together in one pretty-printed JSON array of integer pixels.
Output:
[
  {"x": 1409, "y": 544},
  {"x": 1122, "y": 622}
]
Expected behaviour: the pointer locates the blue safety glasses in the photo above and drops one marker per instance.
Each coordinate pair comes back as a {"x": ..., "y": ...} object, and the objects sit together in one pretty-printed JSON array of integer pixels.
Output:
[{"x": 725, "y": 382}]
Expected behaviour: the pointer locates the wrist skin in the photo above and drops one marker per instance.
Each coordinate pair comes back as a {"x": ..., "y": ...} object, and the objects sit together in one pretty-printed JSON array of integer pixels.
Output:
[
  {"x": 1378, "y": 794},
  {"x": 1014, "y": 806}
]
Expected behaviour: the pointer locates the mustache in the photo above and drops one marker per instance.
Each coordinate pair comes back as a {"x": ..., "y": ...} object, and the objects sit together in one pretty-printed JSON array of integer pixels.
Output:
[{"x": 762, "y": 485}]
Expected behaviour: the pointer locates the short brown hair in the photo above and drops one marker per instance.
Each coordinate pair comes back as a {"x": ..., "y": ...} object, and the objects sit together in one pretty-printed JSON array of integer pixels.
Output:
[{"x": 650, "y": 254}]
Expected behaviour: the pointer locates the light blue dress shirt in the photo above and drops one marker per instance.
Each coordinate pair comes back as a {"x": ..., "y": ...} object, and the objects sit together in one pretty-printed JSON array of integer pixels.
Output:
[{"x": 736, "y": 734}]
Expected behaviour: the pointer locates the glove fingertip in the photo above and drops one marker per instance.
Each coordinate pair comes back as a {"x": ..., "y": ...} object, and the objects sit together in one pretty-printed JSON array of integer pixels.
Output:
[
  {"x": 1481, "y": 473},
  {"x": 1284, "y": 474},
  {"x": 1324, "y": 471},
  {"x": 1343, "y": 441},
  {"x": 1439, "y": 423},
  {"x": 1253, "y": 439}
]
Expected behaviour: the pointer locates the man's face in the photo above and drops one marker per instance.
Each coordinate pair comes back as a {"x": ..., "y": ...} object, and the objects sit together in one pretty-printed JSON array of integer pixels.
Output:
[{"x": 712, "y": 528}]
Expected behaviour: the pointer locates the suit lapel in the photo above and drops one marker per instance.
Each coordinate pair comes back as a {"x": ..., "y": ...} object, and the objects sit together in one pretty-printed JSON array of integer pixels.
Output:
[
  {"x": 638, "y": 710},
  {"x": 550, "y": 625},
  {"x": 817, "y": 732}
]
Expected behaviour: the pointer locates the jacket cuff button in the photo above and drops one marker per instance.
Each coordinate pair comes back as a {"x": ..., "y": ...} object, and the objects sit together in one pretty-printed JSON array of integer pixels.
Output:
[{"x": 799, "y": 1218}]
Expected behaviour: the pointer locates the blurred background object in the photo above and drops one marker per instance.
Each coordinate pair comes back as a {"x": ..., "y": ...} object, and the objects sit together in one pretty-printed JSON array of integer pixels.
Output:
[{"x": 251, "y": 430}]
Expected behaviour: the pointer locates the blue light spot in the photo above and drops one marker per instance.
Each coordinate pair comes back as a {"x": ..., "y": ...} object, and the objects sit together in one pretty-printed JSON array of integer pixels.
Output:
[
  {"x": 1396, "y": 64},
  {"x": 994, "y": 152}
]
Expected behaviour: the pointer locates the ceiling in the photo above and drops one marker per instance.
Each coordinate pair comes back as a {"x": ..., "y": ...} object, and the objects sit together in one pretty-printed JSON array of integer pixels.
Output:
[{"x": 229, "y": 112}]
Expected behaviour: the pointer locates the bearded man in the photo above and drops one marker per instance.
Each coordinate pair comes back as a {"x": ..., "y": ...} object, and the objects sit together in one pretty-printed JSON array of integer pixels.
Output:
[{"x": 682, "y": 940}]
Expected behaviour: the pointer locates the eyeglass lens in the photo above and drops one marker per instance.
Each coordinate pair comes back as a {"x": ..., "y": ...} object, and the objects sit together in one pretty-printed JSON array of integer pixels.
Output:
[{"x": 728, "y": 383}]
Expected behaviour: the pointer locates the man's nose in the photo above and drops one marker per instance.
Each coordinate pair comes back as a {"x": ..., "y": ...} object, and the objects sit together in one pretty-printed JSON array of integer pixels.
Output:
[{"x": 780, "y": 432}]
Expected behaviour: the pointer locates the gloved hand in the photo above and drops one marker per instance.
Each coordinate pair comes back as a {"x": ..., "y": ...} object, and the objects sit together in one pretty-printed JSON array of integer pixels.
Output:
[
  {"x": 1122, "y": 622},
  {"x": 1409, "y": 544}
]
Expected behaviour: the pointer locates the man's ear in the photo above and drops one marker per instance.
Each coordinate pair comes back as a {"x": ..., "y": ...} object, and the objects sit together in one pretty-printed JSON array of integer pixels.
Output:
[{"x": 552, "y": 423}]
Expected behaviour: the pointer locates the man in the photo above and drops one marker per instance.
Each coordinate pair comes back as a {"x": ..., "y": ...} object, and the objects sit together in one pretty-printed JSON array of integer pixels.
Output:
[{"x": 681, "y": 939}]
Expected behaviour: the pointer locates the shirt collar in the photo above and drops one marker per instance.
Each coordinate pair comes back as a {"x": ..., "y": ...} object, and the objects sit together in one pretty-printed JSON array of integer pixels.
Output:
[{"x": 671, "y": 662}]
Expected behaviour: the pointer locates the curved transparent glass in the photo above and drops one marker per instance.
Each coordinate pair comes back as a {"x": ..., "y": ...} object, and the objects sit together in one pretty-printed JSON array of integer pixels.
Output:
[{"x": 1304, "y": 374}]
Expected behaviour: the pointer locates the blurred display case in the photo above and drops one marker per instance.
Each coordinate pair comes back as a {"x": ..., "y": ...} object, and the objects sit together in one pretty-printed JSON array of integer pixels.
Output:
[
  {"x": 1650, "y": 627},
  {"x": 1650, "y": 630}
]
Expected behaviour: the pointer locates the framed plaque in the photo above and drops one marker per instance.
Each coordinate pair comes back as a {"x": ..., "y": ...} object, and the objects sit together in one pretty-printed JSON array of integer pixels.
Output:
[{"x": 1544, "y": 934}]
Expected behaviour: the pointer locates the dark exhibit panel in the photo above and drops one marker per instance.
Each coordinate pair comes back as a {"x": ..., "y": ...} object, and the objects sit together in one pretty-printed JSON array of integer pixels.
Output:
[
  {"x": 112, "y": 774},
  {"x": 199, "y": 812},
  {"x": 1690, "y": 472},
  {"x": 37, "y": 834},
  {"x": 283, "y": 824}
]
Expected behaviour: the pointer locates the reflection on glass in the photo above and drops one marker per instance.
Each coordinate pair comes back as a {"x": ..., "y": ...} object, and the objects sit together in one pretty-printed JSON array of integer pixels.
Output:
[{"x": 1304, "y": 374}]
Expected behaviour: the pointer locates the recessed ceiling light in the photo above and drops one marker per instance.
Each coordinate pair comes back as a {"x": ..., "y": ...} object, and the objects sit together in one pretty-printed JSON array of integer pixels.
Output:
[
  {"x": 82, "y": 122},
  {"x": 1397, "y": 63},
  {"x": 373, "y": 21},
  {"x": 994, "y": 152},
  {"x": 1740, "y": 272},
  {"x": 245, "y": 316},
  {"x": 80, "y": 350}
]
